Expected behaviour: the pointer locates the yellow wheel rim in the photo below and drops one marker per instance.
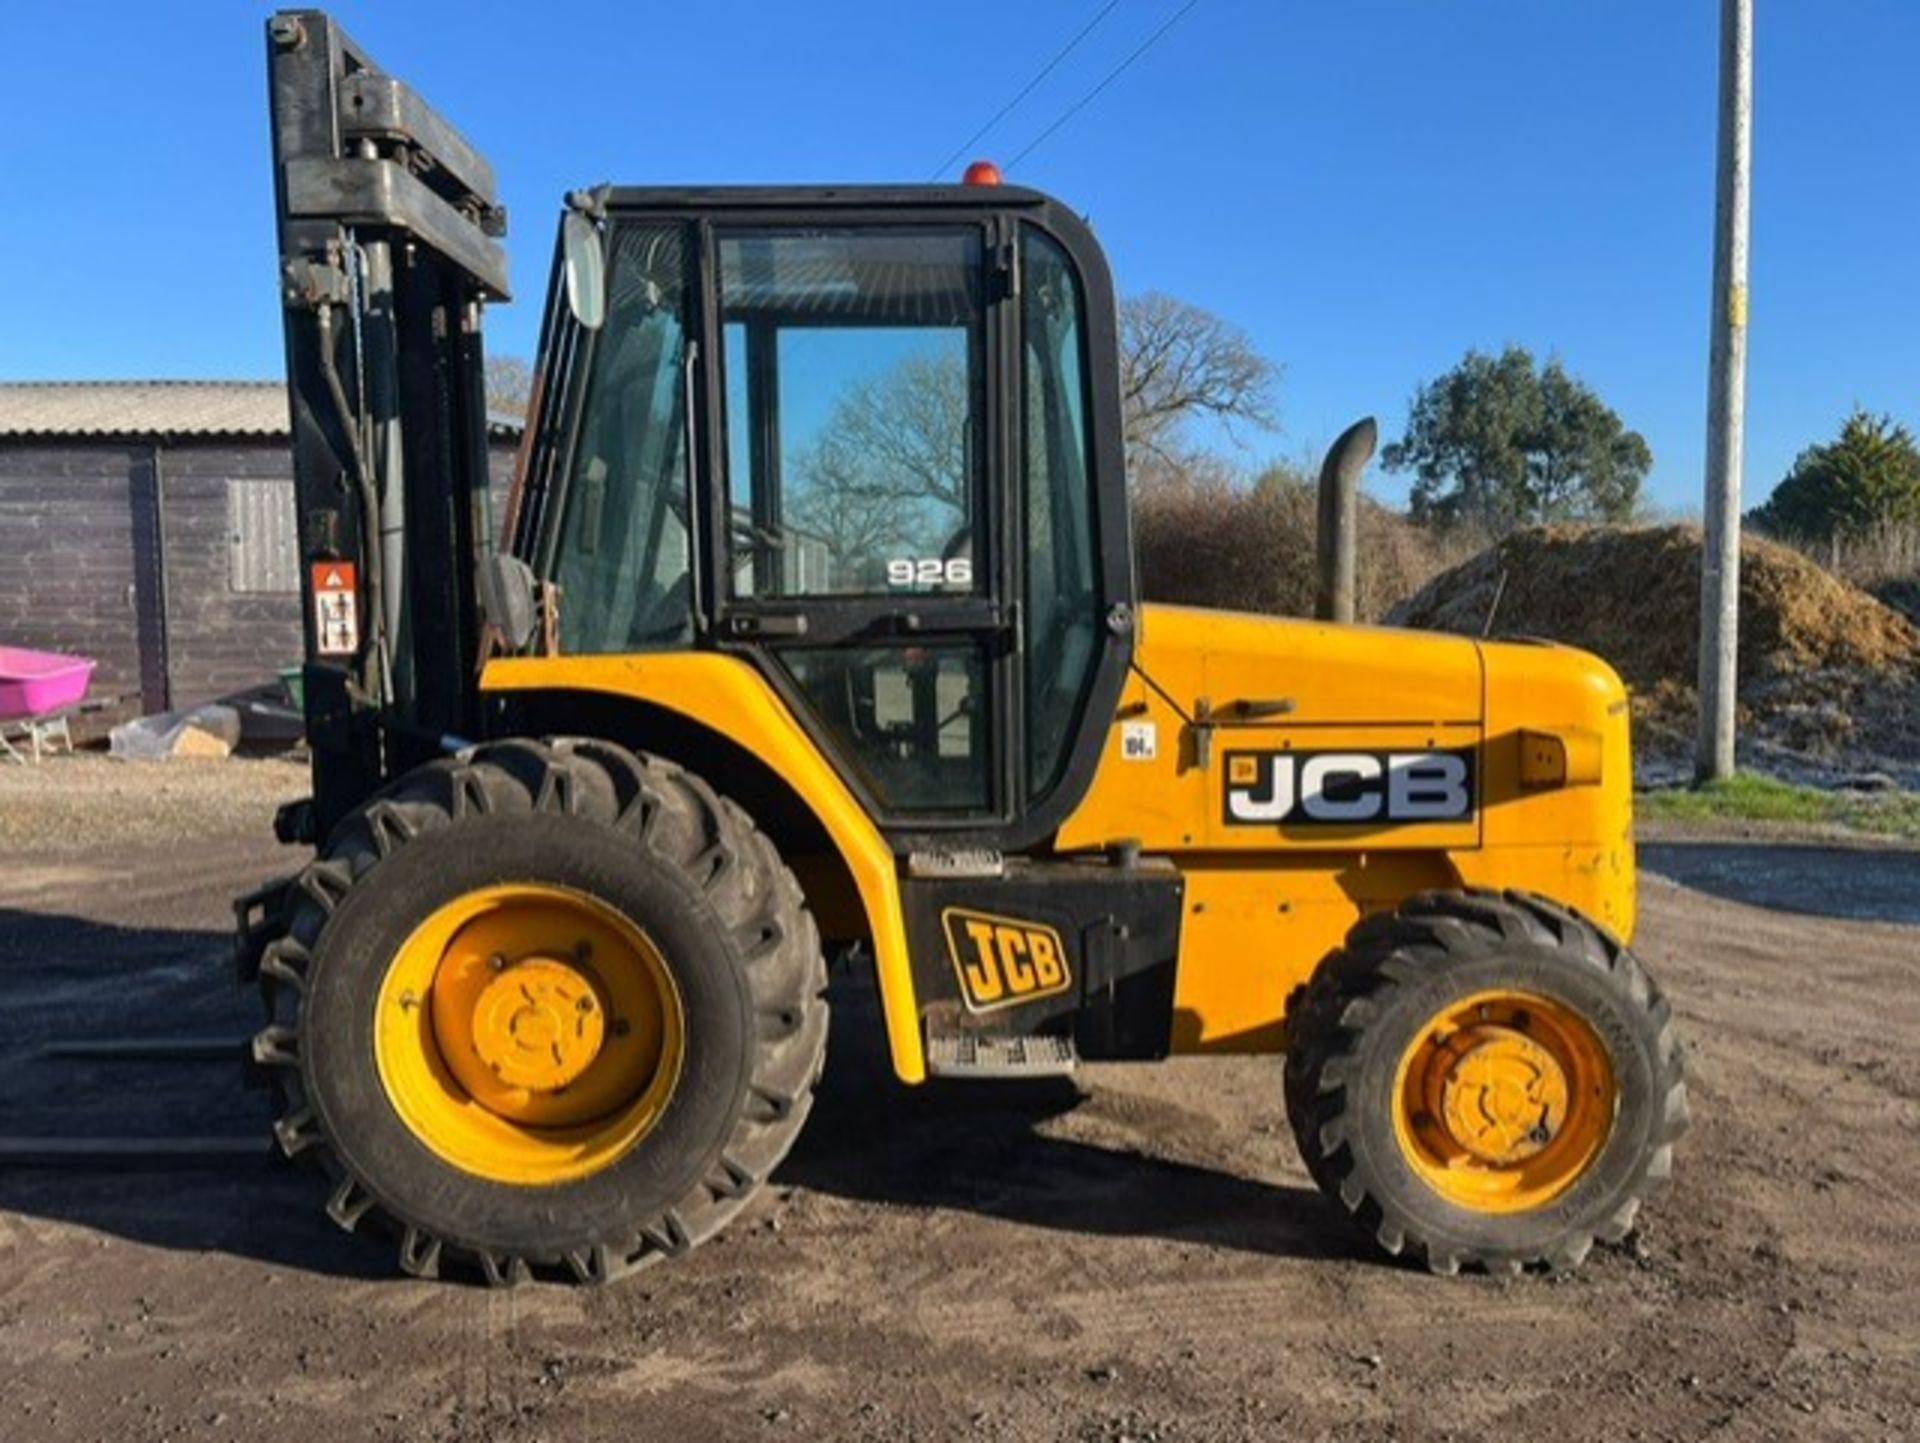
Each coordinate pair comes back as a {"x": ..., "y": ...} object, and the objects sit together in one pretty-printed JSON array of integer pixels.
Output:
[
  {"x": 1503, "y": 1101},
  {"x": 529, "y": 1034}
]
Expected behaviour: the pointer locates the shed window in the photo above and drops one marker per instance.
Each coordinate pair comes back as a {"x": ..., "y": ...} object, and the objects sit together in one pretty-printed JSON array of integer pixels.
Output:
[{"x": 263, "y": 551}]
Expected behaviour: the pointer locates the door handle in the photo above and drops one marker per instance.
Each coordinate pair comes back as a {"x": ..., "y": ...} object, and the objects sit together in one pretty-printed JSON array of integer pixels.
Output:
[
  {"x": 1254, "y": 708},
  {"x": 767, "y": 625},
  {"x": 1206, "y": 717}
]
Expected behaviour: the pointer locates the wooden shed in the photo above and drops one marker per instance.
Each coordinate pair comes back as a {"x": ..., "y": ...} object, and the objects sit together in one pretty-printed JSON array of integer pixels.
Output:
[{"x": 150, "y": 525}]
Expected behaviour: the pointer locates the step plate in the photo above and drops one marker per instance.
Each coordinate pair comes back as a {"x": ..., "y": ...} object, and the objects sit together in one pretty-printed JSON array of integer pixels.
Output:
[{"x": 972, "y": 1055}]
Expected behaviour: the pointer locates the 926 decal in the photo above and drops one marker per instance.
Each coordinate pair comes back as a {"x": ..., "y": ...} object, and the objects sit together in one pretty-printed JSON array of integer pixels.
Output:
[{"x": 930, "y": 571}]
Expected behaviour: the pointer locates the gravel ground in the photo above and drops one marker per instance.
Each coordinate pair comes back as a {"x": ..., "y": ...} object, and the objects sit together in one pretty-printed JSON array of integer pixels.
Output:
[
  {"x": 1138, "y": 1256},
  {"x": 73, "y": 804}
]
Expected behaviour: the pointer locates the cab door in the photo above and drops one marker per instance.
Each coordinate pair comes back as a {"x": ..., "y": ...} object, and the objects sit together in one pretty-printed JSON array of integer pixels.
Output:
[
  {"x": 915, "y": 501},
  {"x": 860, "y": 549}
]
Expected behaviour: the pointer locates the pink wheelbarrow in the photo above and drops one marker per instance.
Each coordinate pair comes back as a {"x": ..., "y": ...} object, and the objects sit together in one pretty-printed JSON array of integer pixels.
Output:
[{"x": 38, "y": 692}]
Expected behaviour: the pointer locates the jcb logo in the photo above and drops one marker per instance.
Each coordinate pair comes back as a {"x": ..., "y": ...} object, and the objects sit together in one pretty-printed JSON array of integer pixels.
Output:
[
  {"x": 1298, "y": 788},
  {"x": 1002, "y": 961}
]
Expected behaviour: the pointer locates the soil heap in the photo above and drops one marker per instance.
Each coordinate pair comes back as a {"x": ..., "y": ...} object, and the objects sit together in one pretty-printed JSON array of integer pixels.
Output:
[{"x": 1829, "y": 676}]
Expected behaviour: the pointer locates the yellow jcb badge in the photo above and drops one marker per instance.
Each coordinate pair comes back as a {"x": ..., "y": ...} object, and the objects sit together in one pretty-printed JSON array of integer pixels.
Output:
[{"x": 1002, "y": 961}]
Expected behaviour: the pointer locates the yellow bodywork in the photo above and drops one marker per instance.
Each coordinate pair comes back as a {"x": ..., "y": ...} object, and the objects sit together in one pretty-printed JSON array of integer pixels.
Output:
[
  {"x": 728, "y": 695},
  {"x": 1263, "y": 905}
]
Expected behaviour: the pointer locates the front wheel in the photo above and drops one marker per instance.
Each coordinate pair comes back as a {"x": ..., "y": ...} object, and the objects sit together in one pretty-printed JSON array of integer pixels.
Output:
[
  {"x": 1485, "y": 1079},
  {"x": 545, "y": 1006}
]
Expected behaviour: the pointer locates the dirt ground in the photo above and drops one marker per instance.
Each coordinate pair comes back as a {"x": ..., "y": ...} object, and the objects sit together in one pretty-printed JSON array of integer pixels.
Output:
[{"x": 1138, "y": 1256}]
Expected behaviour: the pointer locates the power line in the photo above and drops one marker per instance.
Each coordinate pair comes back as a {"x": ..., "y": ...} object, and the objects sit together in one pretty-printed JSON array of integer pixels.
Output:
[
  {"x": 1025, "y": 90},
  {"x": 1111, "y": 76}
]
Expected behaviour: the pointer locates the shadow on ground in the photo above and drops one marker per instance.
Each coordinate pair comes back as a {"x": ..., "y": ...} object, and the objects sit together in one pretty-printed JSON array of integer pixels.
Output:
[
  {"x": 961, "y": 1147},
  {"x": 978, "y": 1147},
  {"x": 1852, "y": 883},
  {"x": 66, "y": 978}
]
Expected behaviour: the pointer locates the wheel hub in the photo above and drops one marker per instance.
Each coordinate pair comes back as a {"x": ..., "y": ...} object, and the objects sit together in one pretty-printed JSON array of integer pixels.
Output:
[
  {"x": 538, "y": 1024},
  {"x": 1504, "y": 1097},
  {"x": 1502, "y": 1100},
  {"x": 529, "y": 1033}
]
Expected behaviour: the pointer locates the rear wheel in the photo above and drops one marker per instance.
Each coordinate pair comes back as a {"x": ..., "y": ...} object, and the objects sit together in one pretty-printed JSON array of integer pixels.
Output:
[
  {"x": 1485, "y": 1079},
  {"x": 545, "y": 1006}
]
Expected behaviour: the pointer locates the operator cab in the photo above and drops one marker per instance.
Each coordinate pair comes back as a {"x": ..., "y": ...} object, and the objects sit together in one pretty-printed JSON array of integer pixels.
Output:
[{"x": 868, "y": 440}]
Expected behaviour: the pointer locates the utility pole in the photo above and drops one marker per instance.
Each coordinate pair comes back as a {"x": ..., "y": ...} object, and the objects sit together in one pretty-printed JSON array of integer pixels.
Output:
[{"x": 1726, "y": 398}]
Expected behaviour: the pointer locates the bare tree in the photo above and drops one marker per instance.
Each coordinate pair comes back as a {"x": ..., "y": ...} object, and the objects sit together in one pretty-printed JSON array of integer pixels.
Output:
[
  {"x": 888, "y": 472},
  {"x": 860, "y": 517},
  {"x": 509, "y": 385},
  {"x": 1179, "y": 362},
  {"x": 911, "y": 423}
]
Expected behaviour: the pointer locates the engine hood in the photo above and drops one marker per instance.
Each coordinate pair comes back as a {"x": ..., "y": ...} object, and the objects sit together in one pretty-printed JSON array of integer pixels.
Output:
[{"x": 1264, "y": 670}]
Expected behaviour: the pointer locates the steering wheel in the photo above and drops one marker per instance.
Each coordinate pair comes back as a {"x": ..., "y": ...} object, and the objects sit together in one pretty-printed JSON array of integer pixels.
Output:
[{"x": 665, "y": 614}]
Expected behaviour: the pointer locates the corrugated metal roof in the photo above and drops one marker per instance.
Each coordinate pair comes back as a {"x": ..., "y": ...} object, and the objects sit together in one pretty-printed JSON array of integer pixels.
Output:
[{"x": 156, "y": 408}]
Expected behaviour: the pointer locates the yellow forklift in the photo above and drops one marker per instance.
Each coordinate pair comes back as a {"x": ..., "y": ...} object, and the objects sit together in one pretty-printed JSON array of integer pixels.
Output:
[{"x": 814, "y": 627}]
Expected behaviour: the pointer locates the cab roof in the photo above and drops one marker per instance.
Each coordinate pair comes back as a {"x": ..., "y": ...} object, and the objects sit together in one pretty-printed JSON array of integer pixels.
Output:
[{"x": 819, "y": 197}]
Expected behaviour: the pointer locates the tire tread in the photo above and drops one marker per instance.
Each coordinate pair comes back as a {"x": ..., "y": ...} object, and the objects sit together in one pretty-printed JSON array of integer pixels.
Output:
[
  {"x": 655, "y": 805},
  {"x": 1390, "y": 950}
]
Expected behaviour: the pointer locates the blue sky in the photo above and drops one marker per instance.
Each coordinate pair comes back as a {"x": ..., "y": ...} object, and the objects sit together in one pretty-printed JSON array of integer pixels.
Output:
[{"x": 1369, "y": 187}]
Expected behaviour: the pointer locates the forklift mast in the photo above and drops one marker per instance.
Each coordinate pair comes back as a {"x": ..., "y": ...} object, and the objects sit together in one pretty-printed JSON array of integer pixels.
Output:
[{"x": 388, "y": 225}]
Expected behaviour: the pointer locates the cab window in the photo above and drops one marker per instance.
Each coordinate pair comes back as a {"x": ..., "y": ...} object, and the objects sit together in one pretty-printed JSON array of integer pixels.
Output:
[
  {"x": 624, "y": 562},
  {"x": 1062, "y": 615},
  {"x": 852, "y": 362}
]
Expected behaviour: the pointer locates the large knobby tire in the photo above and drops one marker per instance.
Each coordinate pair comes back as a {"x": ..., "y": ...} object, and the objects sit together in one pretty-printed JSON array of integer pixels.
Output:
[
  {"x": 1401, "y": 1044},
  {"x": 641, "y": 847}
]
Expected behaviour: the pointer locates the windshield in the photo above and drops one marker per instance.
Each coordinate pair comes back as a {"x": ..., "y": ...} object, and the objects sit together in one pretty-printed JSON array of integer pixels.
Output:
[{"x": 624, "y": 563}]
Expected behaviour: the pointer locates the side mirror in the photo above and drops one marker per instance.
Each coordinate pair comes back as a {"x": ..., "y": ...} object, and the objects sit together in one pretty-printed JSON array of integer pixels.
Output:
[
  {"x": 506, "y": 596},
  {"x": 584, "y": 262}
]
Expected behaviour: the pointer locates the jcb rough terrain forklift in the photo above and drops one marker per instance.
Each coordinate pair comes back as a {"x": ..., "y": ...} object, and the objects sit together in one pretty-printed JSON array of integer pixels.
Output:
[{"x": 815, "y": 626}]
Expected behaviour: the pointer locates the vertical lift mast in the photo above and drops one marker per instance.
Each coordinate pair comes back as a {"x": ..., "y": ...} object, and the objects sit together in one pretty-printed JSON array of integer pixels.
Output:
[{"x": 388, "y": 225}]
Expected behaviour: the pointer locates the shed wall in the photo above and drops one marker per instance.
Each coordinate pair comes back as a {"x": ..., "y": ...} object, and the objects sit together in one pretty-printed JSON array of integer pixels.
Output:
[
  {"x": 104, "y": 557},
  {"x": 68, "y": 579}
]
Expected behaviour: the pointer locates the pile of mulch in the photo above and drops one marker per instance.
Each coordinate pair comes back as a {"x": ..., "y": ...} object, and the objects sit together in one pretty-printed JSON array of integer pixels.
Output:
[{"x": 1829, "y": 676}]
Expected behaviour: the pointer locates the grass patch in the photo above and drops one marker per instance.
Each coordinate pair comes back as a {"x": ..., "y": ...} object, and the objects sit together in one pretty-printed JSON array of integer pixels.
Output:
[{"x": 1750, "y": 797}]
